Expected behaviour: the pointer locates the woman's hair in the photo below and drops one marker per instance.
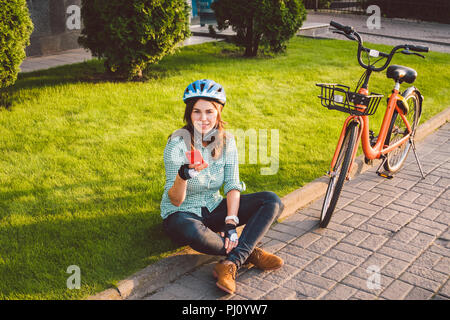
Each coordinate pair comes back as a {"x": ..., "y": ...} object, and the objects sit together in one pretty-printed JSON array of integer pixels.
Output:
[{"x": 219, "y": 126}]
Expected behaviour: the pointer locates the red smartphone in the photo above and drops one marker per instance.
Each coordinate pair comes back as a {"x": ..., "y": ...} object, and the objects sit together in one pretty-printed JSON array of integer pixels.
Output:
[{"x": 194, "y": 157}]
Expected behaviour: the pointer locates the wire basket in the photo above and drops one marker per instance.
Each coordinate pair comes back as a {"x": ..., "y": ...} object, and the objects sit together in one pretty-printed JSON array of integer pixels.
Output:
[{"x": 339, "y": 97}]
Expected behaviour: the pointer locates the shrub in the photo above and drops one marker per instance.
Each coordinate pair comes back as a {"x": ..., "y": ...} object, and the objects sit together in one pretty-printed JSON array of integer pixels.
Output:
[
  {"x": 134, "y": 33},
  {"x": 270, "y": 23},
  {"x": 15, "y": 30}
]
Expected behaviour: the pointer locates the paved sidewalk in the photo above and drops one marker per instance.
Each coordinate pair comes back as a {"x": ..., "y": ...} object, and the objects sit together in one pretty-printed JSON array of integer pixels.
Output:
[
  {"x": 80, "y": 55},
  {"x": 436, "y": 36},
  {"x": 389, "y": 239}
]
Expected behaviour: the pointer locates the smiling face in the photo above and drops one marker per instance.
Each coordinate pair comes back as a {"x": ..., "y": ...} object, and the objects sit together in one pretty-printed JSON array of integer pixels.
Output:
[{"x": 204, "y": 116}]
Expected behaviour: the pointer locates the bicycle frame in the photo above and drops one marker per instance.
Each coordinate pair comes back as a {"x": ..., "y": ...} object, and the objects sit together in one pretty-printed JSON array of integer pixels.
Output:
[{"x": 379, "y": 149}]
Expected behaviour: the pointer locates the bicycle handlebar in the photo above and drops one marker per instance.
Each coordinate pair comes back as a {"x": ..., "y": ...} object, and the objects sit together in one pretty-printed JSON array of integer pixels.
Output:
[{"x": 351, "y": 34}]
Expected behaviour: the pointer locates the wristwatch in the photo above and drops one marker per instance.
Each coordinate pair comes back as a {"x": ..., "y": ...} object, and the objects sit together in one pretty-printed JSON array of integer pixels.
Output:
[{"x": 234, "y": 218}]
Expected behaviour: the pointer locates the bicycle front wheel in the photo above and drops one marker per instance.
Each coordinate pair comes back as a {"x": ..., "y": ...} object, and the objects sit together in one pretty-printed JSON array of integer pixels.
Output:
[
  {"x": 396, "y": 158},
  {"x": 338, "y": 174}
]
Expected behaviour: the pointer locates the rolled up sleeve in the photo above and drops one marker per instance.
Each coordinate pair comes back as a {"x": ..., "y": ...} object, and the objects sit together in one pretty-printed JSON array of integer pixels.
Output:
[{"x": 231, "y": 169}]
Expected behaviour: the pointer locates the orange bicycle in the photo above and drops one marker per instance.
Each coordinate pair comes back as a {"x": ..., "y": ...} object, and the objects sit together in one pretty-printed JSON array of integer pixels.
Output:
[{"x": 396, "y": 135}]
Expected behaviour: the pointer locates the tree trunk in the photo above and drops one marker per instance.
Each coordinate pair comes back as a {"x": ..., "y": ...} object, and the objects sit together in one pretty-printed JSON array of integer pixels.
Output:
[
  {"x": 256, "y": 45},
  {"x": 249, "y": 39}
]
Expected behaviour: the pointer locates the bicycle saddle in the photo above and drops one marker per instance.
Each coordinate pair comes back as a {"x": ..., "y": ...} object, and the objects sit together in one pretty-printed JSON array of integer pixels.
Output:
[{"x": 401, "y": 73}]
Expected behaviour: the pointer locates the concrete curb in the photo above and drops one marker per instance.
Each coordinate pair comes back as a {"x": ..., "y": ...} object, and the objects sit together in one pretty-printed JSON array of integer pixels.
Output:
[{"x": 168, "y": 269}]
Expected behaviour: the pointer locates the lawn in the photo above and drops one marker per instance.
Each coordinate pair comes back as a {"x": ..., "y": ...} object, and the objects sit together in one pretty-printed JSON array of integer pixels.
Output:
[{"x": 82, "y": 172}]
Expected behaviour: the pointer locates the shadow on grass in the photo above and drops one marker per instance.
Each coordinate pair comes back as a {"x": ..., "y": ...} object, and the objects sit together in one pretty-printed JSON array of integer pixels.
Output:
[{"x": 109, "y": 238}]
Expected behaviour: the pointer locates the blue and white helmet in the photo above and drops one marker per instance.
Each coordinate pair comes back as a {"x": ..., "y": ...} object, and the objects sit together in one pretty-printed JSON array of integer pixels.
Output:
[{"x": 205, "y": 89}]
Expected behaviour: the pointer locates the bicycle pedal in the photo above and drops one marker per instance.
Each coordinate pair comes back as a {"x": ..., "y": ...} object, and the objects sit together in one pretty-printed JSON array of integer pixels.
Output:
[
  {"x": 367, "y": 161},
  {"x": 384, "y": 175}
]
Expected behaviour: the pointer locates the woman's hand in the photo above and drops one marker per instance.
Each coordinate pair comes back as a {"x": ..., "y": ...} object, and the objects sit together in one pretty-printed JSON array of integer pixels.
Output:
[{"x": 230, "y": 235}]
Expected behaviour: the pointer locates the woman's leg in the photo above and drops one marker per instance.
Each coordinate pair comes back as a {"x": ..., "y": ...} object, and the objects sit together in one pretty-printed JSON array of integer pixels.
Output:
[
  {"x": 186, "y": 228},
  {"x": 257, "y": 211}
]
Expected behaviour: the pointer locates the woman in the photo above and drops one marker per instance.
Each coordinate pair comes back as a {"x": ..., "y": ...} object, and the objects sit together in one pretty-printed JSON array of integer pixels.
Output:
[{"x": 193, "y": 210}]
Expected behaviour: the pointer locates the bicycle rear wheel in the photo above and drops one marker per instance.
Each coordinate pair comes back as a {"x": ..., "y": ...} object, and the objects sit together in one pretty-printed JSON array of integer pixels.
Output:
[
  {"x": 396, "y": 158},
  {"x": 338, "y": 174}
]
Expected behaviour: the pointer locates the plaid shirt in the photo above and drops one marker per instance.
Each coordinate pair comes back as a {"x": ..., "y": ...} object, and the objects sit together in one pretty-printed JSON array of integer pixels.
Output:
[{"x": 203, "y": 190}]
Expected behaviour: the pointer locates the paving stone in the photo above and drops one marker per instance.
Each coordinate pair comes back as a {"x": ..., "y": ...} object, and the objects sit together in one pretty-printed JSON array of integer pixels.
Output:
[
  {"x": 339, "y": 271},
  {"x": 322, "y": 245},
  {"x": 418, "y": 293},
  {"x": 356, "y": 237},
  {"x": 427, "y": 273},
  {"x": 340, "y": 292},
  {"x": 305, "y": 240},
  {"x": 422, "y": 240},
  {"x": 249, "y": 292},
  {"x": 291, "y": 260},
  {"x": 404, "y": 247},
  {"x": 280, "y": 293},
  {"x": 362, "y": 295},
  {"x": 355, "y": 220},
  {"x": 315, "y": 280},
  {"x": 288, "y": 229},
  {"x": 427, "y": 259},
  {"x": 373, "y": 242},
  {"x": 445, "y": 290},
  {"x": 369, "y": 284},
  {"x": 394, "y": 268},
  {"x": 443, "y": 265},
  {"x": 344, "y": 257},
  {"x": 405, "y": 234},
  {"x": 305, "y": 289},
  {"x": 320, "y": 265},
  {"x": 397, "y": 290},
  {"x": 302, "y": 253},
  {"x": 329, "y": 233},
  {"x": 354, "y": 250},
  {"x": 420, "y": 281}
]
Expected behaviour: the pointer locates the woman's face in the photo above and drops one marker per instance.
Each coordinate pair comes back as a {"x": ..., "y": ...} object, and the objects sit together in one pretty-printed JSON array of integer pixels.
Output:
[{"x": 204, "y": 116}]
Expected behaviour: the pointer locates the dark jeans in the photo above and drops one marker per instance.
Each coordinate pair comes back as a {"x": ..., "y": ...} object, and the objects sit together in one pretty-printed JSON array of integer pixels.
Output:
[{"x": 257, "y": 211}]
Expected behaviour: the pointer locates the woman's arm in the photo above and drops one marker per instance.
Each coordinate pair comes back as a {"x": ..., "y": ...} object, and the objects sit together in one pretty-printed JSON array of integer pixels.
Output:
[
  {"x": 177, "y": 193},
  {"x": 233, "y": 198}
]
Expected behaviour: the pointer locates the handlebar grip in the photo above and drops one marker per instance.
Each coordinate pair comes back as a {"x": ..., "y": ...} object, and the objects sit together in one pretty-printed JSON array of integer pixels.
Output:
[
  {"x": 418, "y": 48},
  {"x": 346, "y": 29},
  {"x": 336, "y": 25}
]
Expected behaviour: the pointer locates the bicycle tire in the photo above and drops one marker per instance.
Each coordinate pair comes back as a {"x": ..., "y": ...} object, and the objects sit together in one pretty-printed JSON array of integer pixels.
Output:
[
  {"x": 339, "y": 174},
  {"x": 397, "y": 130}
]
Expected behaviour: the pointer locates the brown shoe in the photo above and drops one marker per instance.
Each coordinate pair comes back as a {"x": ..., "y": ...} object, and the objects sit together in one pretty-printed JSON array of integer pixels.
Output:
[
  {"x": 226, "y": 276},
  {"x": 264, "y": 260}
]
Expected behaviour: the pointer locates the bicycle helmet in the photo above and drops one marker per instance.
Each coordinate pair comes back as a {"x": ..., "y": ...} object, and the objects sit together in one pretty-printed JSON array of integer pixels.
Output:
[{"x": 205, "y": 89}]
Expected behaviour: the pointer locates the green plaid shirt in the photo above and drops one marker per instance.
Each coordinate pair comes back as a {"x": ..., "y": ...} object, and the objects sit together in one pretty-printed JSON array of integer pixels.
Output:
[{"x": 203, "y": 190}]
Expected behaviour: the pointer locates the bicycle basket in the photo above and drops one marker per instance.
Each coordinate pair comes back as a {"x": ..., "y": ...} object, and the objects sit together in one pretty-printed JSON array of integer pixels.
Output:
[{"x": 339, "y": 97}]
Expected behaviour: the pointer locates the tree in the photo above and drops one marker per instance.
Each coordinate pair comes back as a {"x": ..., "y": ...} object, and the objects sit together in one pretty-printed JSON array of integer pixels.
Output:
[
  {"x": 270, "y": 23},
  {"x": 134, "y": 33},
  {"x": 15, "y": 30}
]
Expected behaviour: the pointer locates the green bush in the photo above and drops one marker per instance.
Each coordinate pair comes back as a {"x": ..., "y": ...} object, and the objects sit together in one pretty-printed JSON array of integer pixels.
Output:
[
  {"x": 15, "y": 30},
  {"x": 270, "y": 23},
  {"x": 134, "y": 33}
]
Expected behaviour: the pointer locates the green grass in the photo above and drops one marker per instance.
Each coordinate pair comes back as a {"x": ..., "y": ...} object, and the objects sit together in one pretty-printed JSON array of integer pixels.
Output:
[{"x": 82, "y": 172}]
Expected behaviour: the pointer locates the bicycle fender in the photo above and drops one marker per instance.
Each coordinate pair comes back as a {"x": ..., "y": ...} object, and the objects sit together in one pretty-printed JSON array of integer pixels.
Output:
[{"x": 409, "y": 91}]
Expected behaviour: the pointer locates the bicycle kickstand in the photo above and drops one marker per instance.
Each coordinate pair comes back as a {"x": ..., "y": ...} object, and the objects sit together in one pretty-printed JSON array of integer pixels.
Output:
[{"x": 413, "y": 145}]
